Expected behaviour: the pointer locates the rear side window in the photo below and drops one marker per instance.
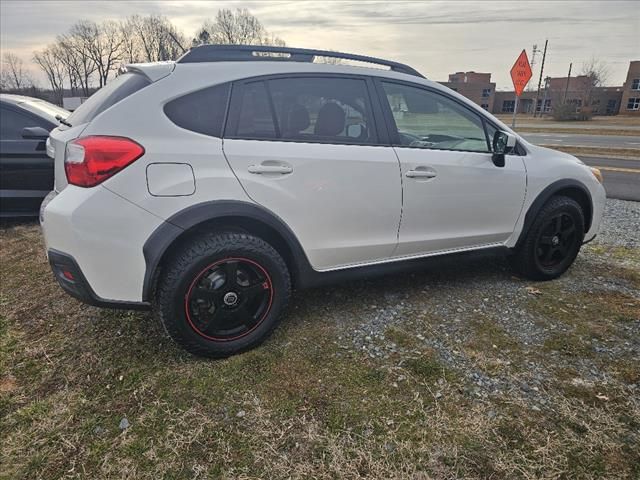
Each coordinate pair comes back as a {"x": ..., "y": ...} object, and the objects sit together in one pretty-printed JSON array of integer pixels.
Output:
[
  {"x": 114, "y": 91},
  {"x": 303, "y": 109},
  {"x": 202, "y": 111},
  {"x": 333, "y": 110},
  {"x": 255, "y": 118}
]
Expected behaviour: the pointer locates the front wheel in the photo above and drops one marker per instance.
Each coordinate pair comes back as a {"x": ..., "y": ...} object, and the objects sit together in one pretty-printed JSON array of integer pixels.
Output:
[
  {"x": 222, "y": 294},
  {"x": 553, "y": 241}
]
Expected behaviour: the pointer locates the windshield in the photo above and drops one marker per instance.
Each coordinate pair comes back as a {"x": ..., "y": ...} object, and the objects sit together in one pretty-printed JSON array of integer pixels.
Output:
[{"x": 116, "y": 90}]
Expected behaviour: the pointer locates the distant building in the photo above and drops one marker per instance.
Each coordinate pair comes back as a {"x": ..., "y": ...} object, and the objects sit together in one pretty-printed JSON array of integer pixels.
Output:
[
  {"x": 631, "y": 91},
  {"x": 477, "y": 87}
]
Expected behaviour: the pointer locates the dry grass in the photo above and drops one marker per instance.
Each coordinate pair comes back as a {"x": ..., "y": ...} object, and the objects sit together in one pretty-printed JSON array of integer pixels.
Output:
[
  {"x": 580, "y": 131},
  {"x": 301, "y": 406},
  {"x": 610, "y": 152}
]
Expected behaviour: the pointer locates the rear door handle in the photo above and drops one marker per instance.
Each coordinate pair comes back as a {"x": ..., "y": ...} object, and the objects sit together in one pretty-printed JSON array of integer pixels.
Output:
[
  {"x": 418, "y": 173},
  {"x": 260, "y": 169}
]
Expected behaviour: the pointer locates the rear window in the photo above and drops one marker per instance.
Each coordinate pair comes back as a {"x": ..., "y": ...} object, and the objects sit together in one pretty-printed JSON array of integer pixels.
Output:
[
  {"x": 116, "y": 90},
  {"x": 202, "y": 111}
]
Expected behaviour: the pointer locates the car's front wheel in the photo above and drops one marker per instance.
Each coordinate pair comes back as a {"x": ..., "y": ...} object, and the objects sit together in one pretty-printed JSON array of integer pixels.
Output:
[
  {"x": 221, "y": 294},
  {"x": 553, "y": 241}
]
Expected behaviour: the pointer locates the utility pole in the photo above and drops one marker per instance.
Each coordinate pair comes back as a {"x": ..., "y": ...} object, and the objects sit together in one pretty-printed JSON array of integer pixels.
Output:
[
  {"x": 535, "y": 106},
  {"x": 566, "y": 89}
]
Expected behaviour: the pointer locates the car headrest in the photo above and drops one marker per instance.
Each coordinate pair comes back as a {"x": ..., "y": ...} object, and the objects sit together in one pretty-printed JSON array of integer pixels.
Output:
[
  {"x": 297, "y": 119},
  {"x": 331, "y": 120}
]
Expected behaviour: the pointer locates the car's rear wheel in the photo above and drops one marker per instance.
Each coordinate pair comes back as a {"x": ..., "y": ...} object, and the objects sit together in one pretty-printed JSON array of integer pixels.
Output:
[
  {"x": 221, "y": 294},
  {"x": 553, "y": 241}
]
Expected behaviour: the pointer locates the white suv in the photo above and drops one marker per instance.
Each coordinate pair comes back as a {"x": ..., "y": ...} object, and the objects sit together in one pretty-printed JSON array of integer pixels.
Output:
[{"x": 210, "y": 186}]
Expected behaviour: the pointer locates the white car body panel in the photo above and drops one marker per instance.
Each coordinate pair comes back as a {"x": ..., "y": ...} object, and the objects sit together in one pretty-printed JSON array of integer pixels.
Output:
[
  {"x": 105, "y": 234},
  {"x": 351, "y": 189},
  {"x": 469, "y": 203},
  {"x": 344, "y": 203}
]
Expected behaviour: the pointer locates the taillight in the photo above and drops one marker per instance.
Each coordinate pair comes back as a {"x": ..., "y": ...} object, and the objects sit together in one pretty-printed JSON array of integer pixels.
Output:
[{"x": 89, "y": 161}]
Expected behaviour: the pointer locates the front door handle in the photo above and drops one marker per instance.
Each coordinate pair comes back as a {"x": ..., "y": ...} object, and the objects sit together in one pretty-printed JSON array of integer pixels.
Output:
[
  {"x": 260, "y": 169},
  {"x": 421, "y": 173}
]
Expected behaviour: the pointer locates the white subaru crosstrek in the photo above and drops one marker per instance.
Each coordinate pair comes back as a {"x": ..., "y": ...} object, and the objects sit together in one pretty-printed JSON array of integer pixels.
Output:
[{"x": 209, "y": 187}]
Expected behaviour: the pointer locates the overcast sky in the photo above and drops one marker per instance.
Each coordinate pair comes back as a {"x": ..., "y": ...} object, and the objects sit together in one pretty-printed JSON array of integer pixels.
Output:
[{"x": 437, "y": 38}]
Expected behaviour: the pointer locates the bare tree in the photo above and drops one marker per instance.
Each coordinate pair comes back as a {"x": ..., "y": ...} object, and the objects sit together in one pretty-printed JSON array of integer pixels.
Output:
[
  {"x": 159, "y": 39},
  {"x": 74, "y": 52},
  {"x": 13, "y": 74},
  {"x": 70, "y": 59},
  {"x": 102, "y": 44},
  {"x": 131, "y": 43},
  {"x": 597, "y": 73},
  {"x": 53, "y": 69},
  {"x": 237, "y": 27}
]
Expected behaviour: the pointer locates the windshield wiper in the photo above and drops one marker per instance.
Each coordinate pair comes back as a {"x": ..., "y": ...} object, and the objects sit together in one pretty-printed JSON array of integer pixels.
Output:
[{"x": 63, "y": 121}]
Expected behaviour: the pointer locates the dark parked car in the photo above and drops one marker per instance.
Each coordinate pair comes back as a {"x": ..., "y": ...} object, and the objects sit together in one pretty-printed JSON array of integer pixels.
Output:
[{"x": 26, "y": 172}]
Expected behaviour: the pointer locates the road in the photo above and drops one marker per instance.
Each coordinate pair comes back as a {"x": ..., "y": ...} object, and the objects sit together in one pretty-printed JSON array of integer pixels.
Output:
[
  {"x": 621, "y": 177},
  {"x": 582, "y": 140}
]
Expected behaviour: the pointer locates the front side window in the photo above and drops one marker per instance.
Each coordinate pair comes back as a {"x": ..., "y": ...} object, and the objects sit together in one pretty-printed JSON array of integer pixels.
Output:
[
  {"x": 305, "y": 109},
  {"x": 12, "y": 123},
  {"x": 633, "y": 104},
  {"x": 429, "y": 120}
]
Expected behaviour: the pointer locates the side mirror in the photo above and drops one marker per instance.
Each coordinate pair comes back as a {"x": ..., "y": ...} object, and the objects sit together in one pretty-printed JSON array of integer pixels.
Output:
[
  {"x": 35, "y": 133},
  {"x": 503, "y": 144}
]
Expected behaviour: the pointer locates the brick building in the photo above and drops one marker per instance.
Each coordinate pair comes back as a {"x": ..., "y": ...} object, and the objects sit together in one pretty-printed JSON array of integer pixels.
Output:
[
  {"x": 576, "y": 91},
  {"x": 631, "y": 91},
  {"x": 477, "y": 87}
]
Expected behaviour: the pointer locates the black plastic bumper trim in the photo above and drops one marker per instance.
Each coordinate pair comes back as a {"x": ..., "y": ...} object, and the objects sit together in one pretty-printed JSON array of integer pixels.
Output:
[{"x": 79, "y": 288}]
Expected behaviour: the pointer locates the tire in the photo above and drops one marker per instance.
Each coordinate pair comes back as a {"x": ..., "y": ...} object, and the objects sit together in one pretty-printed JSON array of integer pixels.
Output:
[
  {"x": 550, "y": 248},
  {"x": 222, "y": 294}
]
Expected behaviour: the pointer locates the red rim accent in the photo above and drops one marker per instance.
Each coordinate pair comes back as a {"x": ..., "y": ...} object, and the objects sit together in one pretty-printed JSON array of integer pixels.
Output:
[{"x": 197, "y": 278}]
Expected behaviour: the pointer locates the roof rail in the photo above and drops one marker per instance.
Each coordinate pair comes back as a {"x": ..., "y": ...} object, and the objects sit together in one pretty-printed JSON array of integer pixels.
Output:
[{"x": 252, "y": 53}]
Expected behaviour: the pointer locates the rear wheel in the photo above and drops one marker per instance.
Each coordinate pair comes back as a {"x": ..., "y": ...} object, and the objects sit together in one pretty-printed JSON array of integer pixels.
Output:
[
  {"x": 553, "y": 241},
  {"x": 222, "y": 294}
]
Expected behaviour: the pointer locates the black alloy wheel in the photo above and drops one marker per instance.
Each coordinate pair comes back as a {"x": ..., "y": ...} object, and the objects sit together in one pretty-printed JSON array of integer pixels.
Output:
[{"x": 229, "y": 299}]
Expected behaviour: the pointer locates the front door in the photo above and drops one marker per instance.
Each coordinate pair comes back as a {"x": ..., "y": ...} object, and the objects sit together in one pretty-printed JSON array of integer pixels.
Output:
[
  {"x": 307, "y": 148},
  {"x": 26, "y": 173},
  {"x": 454, "y": 197}
]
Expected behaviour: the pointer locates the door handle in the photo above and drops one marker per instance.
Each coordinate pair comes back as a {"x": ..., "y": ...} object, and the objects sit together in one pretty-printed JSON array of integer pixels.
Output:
[
  {"x": 260, "y": 169},
  {"x": 421, "y": 174}
]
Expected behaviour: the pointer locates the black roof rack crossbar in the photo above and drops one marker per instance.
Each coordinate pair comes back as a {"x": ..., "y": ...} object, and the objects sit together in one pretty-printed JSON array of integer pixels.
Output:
[{"x": 240, "y": 53}]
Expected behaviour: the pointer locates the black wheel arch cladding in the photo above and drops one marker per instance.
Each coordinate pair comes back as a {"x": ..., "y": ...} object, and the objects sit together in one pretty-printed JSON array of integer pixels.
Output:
[
  {"x": 568, "y": 187},
  {"x": 226, "y": 212}
]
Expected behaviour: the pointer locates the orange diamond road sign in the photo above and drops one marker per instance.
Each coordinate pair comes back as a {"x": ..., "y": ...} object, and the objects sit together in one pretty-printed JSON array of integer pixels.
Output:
[{"x": 521, "y": 73}]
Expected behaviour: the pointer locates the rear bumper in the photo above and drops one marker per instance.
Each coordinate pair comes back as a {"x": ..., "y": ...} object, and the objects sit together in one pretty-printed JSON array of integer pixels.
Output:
[
  {"x": 72, "y": 280},
  {"x": 104, "y": 235}
]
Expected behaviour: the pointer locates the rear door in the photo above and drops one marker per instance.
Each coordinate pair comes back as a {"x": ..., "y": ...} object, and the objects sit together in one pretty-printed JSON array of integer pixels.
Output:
[
  {"x": 309, "y": 149},
  {"x": 454, "y": 196},
  {"x": 26, "y": 173}
]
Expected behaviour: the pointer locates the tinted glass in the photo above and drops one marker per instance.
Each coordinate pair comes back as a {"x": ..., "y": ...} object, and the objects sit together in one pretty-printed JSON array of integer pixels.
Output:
[
  {"x": 254, "y": 112},
  {"x": 114, "y": 91},
  {"x": 12, "y": 123},
  {"x": 429, "y": 120},
  {"x": 334, "y": 110},
  {"x": 202, "y": 111}
]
